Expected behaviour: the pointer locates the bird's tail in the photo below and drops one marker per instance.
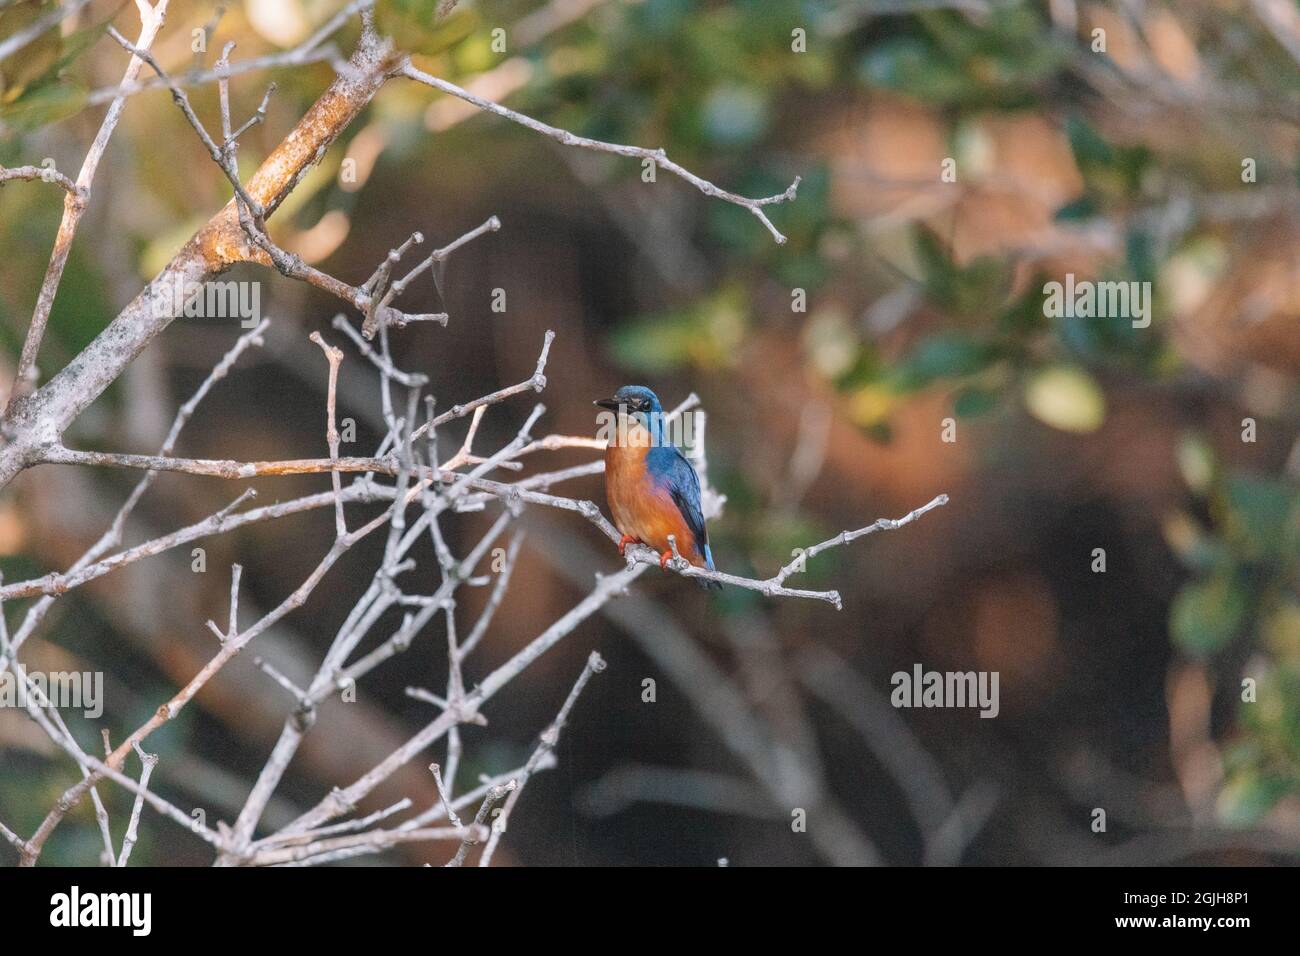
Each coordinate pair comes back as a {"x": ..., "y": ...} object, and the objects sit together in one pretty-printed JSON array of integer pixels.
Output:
[{"x": 705, "y": 583}]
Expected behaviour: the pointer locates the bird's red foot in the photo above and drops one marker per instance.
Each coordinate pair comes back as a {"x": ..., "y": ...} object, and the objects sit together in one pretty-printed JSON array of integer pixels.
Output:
[
  {"x": 624, "y": 542},
  {"x": 664, "y": 559}
]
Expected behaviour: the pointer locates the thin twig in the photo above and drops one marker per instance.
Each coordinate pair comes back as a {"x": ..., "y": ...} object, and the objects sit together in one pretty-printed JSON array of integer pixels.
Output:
[
  {"x": 493, "y": 795},
  {"x": 46, "y": 174},
  {"x": 550, "y": 740},
  {"x": 335, "y": 358},
  {"x": 148, "y": 762},
  {"x": 658, "y": 156}
]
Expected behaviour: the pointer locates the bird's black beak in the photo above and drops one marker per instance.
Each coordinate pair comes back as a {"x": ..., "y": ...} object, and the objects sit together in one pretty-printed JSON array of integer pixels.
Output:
[{"x": 611, "y": 403}]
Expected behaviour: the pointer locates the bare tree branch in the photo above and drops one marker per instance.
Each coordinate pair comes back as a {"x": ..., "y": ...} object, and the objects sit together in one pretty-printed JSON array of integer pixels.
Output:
[
  {"x": 148, "y": 762},
  {"x": 550, "y": 740},
  {"x": 46, "y": 174},
  {"x": 74, "y": 204},
  {"x": 657, "y": 156},
  {"x": 37, "y": 420}
]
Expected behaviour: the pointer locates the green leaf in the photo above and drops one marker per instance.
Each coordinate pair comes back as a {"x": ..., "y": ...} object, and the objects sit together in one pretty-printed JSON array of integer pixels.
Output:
[
  {"x": 708, "y": 334},
  {"x": 948, "y": 355},
  {"x": 972, "y": 402},
  {"x": 1261, "y": 516},
  {"x": 1066, "y": 398},
  {"x": 1244, "y": 801},
  {"x": 1080, "y": 210},
  {"x": 1086, "y": 142},
  {"x": 734, "y": 115},
  {"x": 912, "y": 65},
  {"x": 1140, "y": 255},
  {"x": 1196, "y": 462},
  {"x": 1206, "y": 615},
  {"x": 42, "y": 105}
]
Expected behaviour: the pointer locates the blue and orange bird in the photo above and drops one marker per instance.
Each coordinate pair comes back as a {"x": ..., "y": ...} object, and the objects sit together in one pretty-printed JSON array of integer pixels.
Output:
[{"x": 653, "y": 490}]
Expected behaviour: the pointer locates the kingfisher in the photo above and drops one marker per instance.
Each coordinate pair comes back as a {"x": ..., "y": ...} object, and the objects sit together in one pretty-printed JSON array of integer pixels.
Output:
[{"x": 652, "y": 488}]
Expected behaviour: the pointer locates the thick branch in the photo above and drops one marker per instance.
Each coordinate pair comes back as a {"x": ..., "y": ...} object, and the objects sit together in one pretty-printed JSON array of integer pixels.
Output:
[{"x": 40, "y": 418}]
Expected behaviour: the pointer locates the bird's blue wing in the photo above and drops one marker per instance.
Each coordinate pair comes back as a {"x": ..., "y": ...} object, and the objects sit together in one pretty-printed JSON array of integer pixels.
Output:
[{"x": 672, "y": 468}]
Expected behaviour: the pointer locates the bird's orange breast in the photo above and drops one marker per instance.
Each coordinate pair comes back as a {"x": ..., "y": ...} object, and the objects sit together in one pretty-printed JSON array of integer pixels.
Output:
[{"x": 641, "y": 506}]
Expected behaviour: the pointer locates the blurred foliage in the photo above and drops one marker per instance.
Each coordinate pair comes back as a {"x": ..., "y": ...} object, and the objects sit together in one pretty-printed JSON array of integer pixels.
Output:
[
  {"x": 707, "y": 334},
  {"x": 716, "y": 83},
  {"x": 1246, "y": 568},
  {"x": 35, "y": 86}
]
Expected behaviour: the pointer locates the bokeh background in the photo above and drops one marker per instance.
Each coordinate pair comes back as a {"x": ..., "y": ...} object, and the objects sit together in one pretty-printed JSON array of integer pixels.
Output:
[{"x": 1120, "y": 689}]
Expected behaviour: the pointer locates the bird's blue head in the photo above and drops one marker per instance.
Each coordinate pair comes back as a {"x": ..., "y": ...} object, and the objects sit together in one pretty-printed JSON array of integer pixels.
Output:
[
  {"x": 640, "y": 403},
  {"x": 637, "y": 398}
]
